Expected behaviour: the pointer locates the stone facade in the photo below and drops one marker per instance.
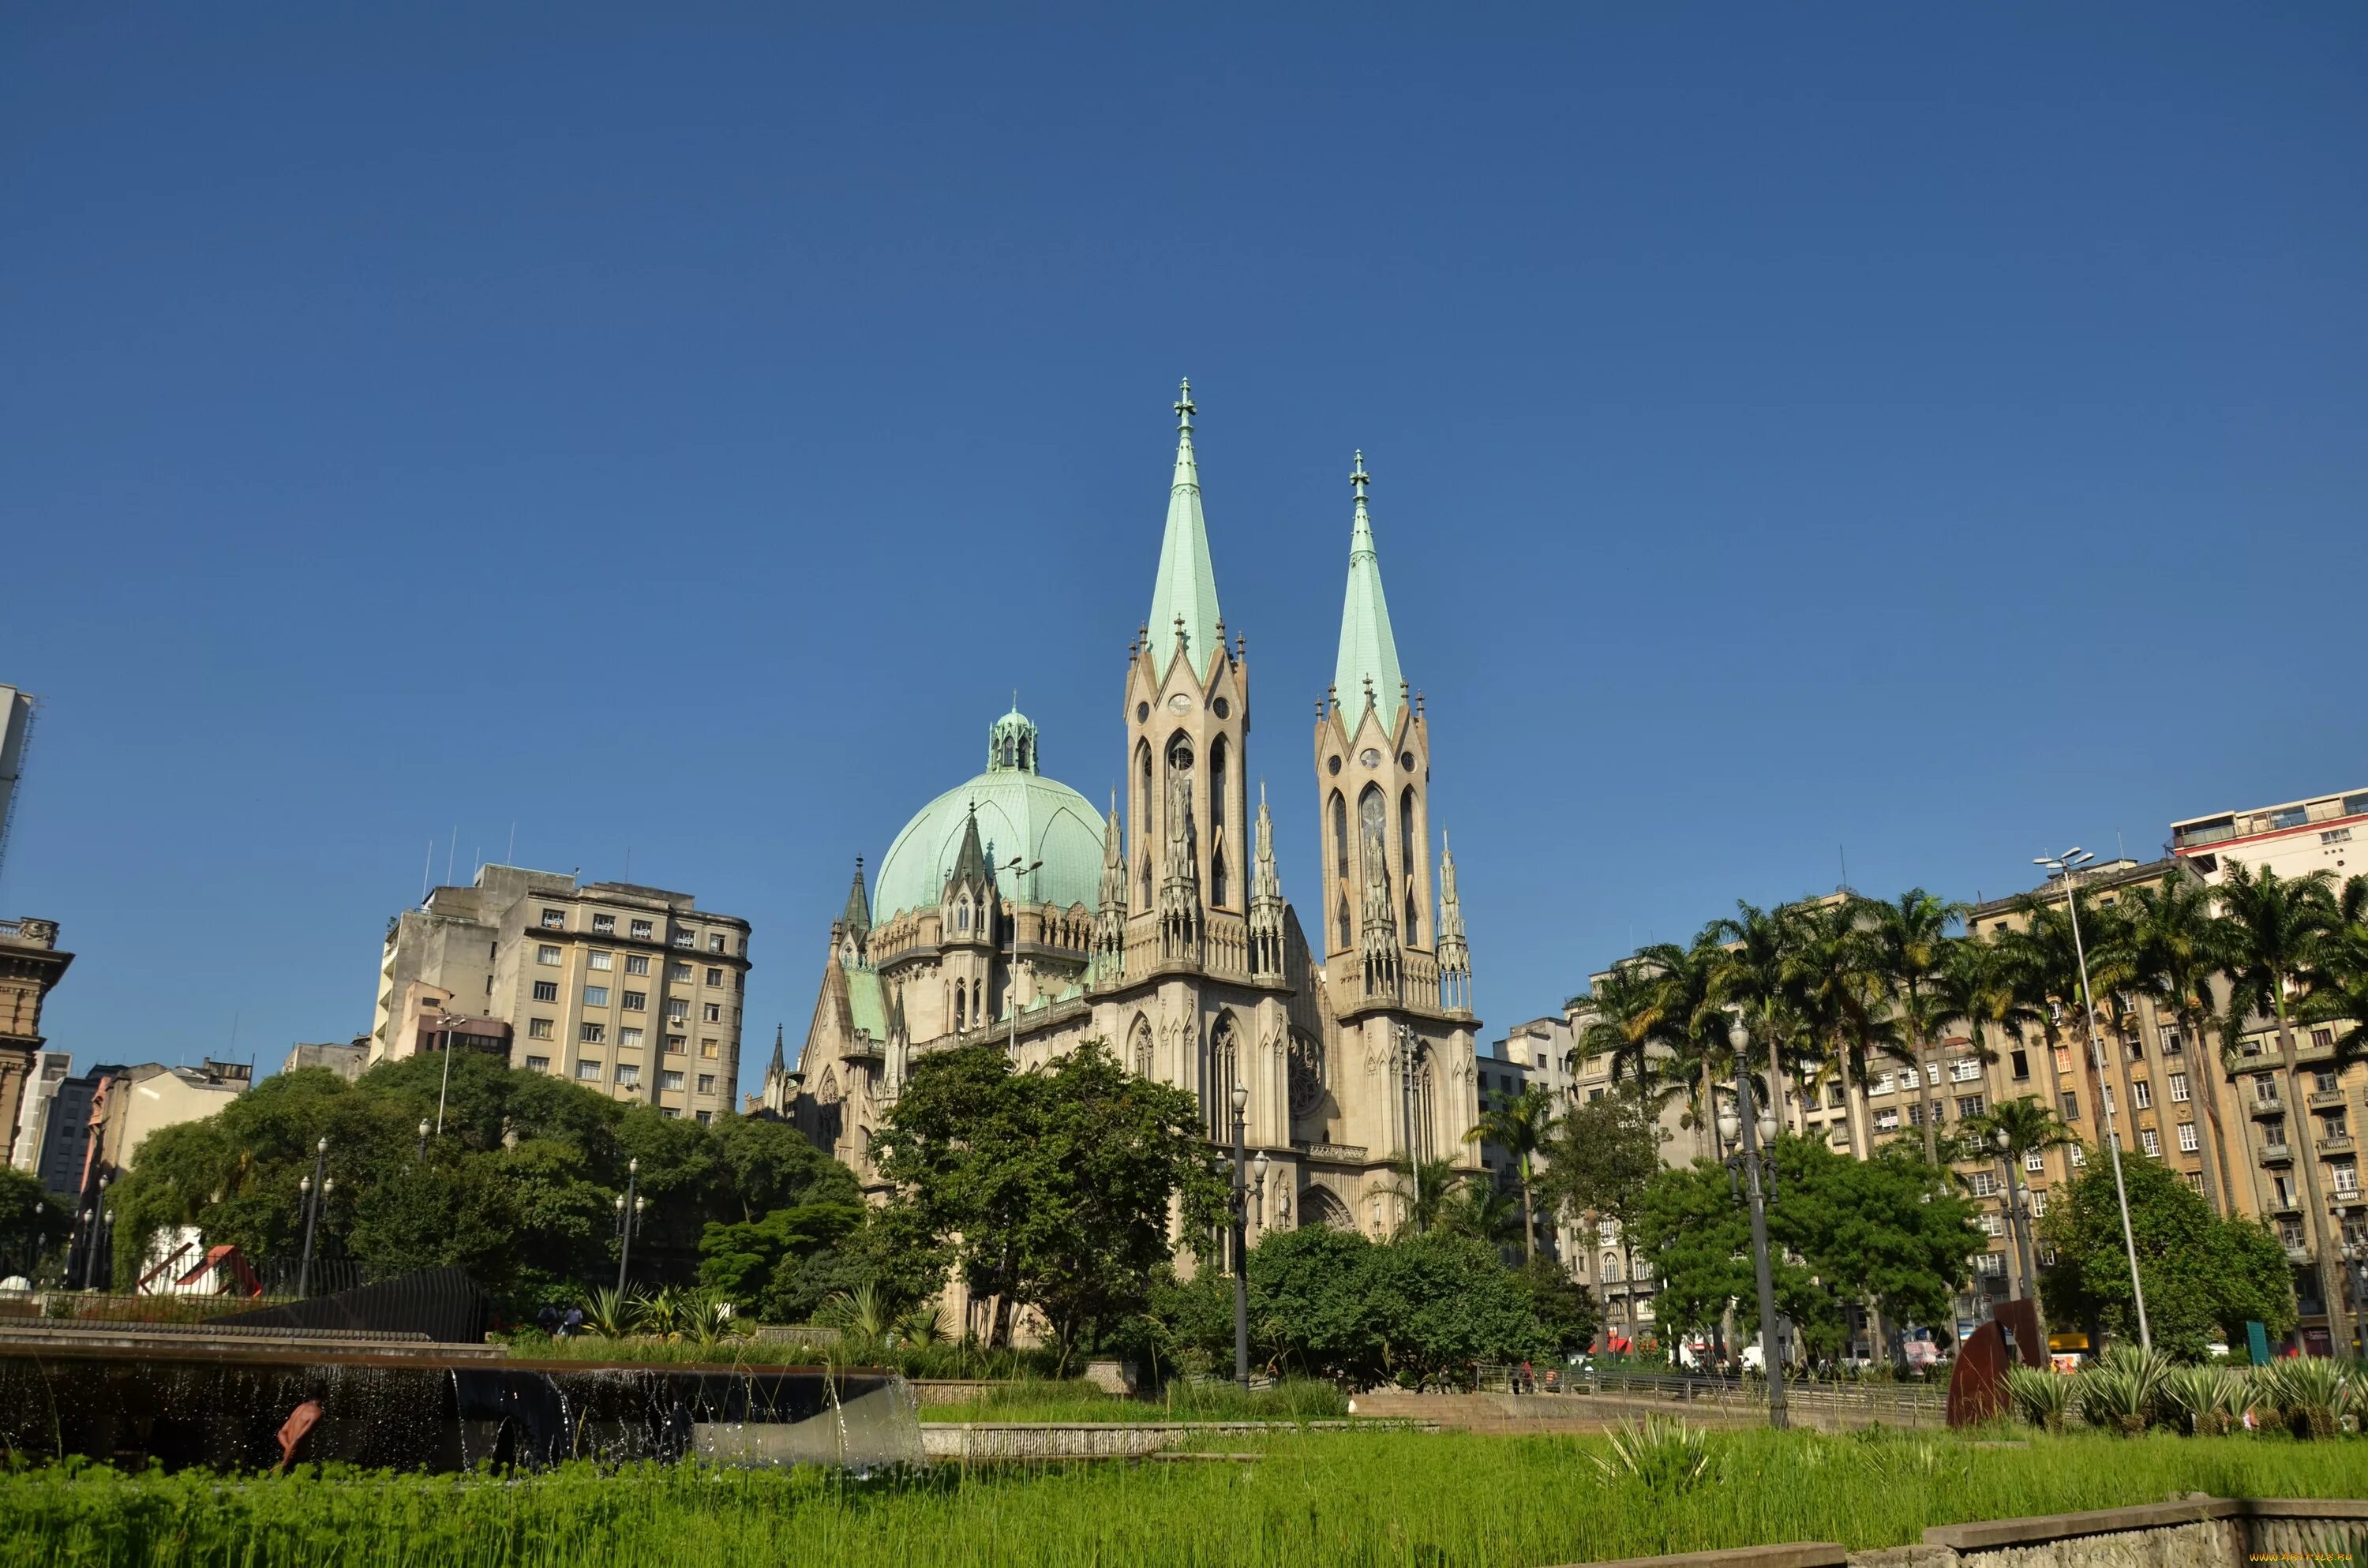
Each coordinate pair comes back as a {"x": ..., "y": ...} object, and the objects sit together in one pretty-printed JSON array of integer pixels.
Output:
[{"x": 31, "y": 966}]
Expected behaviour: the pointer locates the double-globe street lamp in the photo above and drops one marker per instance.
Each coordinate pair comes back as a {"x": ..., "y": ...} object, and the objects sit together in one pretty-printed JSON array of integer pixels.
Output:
[
  {"x": 629, "y": 1205},
  {"x": 2067, "y": 866},
  {"x": 1241, "y": 1212},
  {"x": 2018, "y": 1218},
  {"x": 315, "y": 1188},
  {"x": 1756, "y": 1129}
]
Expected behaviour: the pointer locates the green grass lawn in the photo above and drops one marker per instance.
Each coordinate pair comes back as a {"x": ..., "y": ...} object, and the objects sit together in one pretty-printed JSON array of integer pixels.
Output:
[
  {"x": 1351, "y": 1499},
  {"x": 1045, "y": 1400}
]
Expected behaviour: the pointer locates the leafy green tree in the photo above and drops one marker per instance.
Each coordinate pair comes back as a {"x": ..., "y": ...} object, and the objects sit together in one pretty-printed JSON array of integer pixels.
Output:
[
  {"x": 2204, "y": 1276},
  {"x": 1911, "y": 941},
  {"x": 1050, "y": 1187},
  {"x": 1567, "y": 1316},
  {"x": 769, "y": 1165},
  {"x": 1439, "y": 1303},
  {"x": 1310, "y": 1304},
  {"x": 741, "y": 1260},
  {"x": 2337, "y": 987},
  {"x": 2007, "y": 1132},
  {"x": 1520, "y": 1128},
  {"x": 34, "y": 1223},
  {"x": 1423, "y": 1191},
  {"x": 1602, "y": 1156}
]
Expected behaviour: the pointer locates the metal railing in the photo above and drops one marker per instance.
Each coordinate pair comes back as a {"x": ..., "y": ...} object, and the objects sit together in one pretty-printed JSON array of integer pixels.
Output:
[{"x": 1912, "y": 1404}]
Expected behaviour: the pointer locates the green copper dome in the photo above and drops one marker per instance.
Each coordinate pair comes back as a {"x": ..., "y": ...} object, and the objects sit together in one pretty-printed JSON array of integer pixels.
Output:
[{"x": 1020, "y": 811}]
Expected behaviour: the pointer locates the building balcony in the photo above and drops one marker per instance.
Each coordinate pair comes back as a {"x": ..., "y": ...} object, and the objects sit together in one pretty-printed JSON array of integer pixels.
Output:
[
  {"x": 1345, "y": 1154},
  {"x": 2277, "y": 1153},
  {"x": 2263, "y": 1109},
  {"x": 2299, "y": 1255},
  {"x": 2338, "y": 1144},
  {"x": 2326, "y": 1098}
]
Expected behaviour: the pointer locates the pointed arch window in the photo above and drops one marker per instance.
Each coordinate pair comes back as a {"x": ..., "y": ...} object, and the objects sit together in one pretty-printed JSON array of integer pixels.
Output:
[
  {"x": 1219, "y": 756},
  {"x": 1340, "y": 840},
  {"x": 1223, "y": 1074},
  {"x": 1142, "y": 795},
  {"x": 1405, "y": 833},
  {"x": 1413, "y": 930},
  {"x": 1343, "y": 945},
  {"x": 1217, "y": 879},
  {"x": 962, "y": 1005}
]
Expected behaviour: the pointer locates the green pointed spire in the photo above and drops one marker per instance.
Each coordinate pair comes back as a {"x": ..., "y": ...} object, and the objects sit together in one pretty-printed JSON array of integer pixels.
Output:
[
  {"x": 1368, "y": 666},
  {"x": 1185, "y": 596}
]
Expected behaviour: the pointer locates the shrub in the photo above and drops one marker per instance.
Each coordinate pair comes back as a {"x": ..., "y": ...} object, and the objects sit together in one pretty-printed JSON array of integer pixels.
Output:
[
  {"x": 2044, "y": 1398},
  {"x": 2308, "y": 1393},
  {"x": 2209, "y": 1400},
  {"x": 1662, "y": 1454}
]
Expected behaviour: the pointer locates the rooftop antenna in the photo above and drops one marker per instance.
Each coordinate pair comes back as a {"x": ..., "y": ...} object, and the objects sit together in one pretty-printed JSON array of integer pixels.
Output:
[
  {"x": 2119, "y": 853},
  {"x": 450, "y": 850},
  {"x": 629, "y": 863},
  {"x": 510, "y": 858},
  {"x": 1844, "y": 854},
  {"x": 428, "y": 873}
]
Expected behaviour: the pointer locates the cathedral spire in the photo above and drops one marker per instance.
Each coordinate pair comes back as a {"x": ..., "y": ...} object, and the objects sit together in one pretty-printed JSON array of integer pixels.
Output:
[
  {"x": 1185, "y": 595},
  {"x": 1265, "y": 900},
  {"x": 1110, "y": 915},
  {"x": 1369, "y": 649},
  {"x": 857, "y": 917},
  {"x": 777, "y": 1068},
  {"x": 1455, "y": 955}
]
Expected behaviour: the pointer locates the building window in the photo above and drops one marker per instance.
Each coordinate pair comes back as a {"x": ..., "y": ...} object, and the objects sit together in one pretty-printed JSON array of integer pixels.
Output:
[
  {"x": 554, "y": 920},
  {"x": 1968, "y": 1105},
  {"x": 706, "y": 1049},
  {"x": 635, "y": 1001},
  {"x": 2178, "y": 1088},
  {"x": 587, "y": 1072},
  {"x": 2032, "y": 1160},
  {"x": 546, "y": 990},
  {"x": 707, "y": 1082},
  {"x": 595, "y": 996},
  {"x": 1915, "y": 1115},
  {"x": 629, "y": 1036},
  {"x": 2171, "y": 1044},
  {"x": 2038, "y": 1202},
  {"x": 1887, "y": 1120},
  {"x": 2322, "y": 1081},
  {"x": 603, "y": 960},
  {"x": 674, "y": 1043},
  {"x": 715, "y": 1012},
  {"x": 2322, "y": 1039},
  {"x": 641, "y": 930},
  {"x": 2290, "y": 1233},
  {"x": 685, "y": 940},
  {"x": 604, "y": 925},
  {"x": 2071, "y": 1106},
  {"x": 1931, "y": 1074},
  {"x": 1964, "y": 1072},
  {"x": 1989, "y": 1263},
  {"x": 2187, "y": 1138},
  {"x": 538, "y": 1028},
  {"x": 2265, "y": 1090},
  {"x": 628, "y": 1074},
  {"x": 669, "y": 1080},
  {"x": 2077, "y": 1155},
  {"x": 2150, "y": 1141},
  {"x": 2346, "y": 1176},
  {"x": 678, "y": 972},
  {"x": 538, "y": 1063},
  {"x": 1833, "y": 1096},
  {"x": 592, "y": 1034},
  {"x": 2020, "y": 1063},
  {"x": 546, "y": 953},
  {"x": 705, "y": 1117},
  {"x": 714, "y": 977},
  {"x": 715, "y": 943},
  {"x": 1992, "y": 1224},
  {"x": 677, "y": 1007},
  {"x": 2273, "y": 1133},
  {"x": 2142, "y": 1094},
  {"x": 2333, "y": 1125},
  {"x": 1983, "y": 1184},
  {"x": 637, "y": 963}
]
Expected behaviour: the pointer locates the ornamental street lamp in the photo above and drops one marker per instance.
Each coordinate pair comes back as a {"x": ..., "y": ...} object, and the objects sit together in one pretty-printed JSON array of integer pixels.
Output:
[
  {"x": 315, "y": 1188},
  {"x": 2068, "y": 865},
  {"x": 630, "y": 1206},
  {"x": 423, "y": 1138},
  {"x": 1756, "y": 1126},
  {"x": 1241, "y": 1097},
  {"x": 2018, "y": 1220},
  {"x": 82, "y": 1248},
  {"x": 2354, "y": 1254},
  {"x": 1011, "y": 973}
]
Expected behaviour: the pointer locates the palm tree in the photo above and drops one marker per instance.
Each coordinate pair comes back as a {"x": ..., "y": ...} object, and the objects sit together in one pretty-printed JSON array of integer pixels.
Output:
[
  {"x": 1520, "y": 1128},
  {"x": 1838, "y": 992},
  {"x": 1910, "y": 936},
  {"x": 2043, "y": 957},
  {"x": 2008, "y": 1131},
  {"x": 2278, "y": 927},
  {"x": 2337, "y": 990},
  {"x": 1476, "y": 1208},
  {"x": 1750, "y": 975},
  {"x": 1422, "y": 1188},
  {"x": 1687, "y": 1032},
  {"x": 2177, "y": 945}
]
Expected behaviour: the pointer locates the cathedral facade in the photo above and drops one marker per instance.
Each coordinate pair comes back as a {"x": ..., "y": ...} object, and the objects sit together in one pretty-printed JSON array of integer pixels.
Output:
[{"x": 1010, "y": 910}]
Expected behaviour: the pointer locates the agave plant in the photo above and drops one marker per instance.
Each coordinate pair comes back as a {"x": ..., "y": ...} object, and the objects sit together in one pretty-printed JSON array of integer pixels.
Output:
[
  {"x": 2309, "y": 1392},
  {"x": 2044, "y": 1397},
  {"x": 1663, "y": 1453},
  {"x": 2121, "y": 1392},
  {"x": 2209, "y": 1399},
  {"x": 861, "y": 1314},
  {"x": 923, "y": 1323},
  {"x": 712, "y": 1318},
  {"x": 663, "y": 1314},
  {"x": 610, "y": 1314}
]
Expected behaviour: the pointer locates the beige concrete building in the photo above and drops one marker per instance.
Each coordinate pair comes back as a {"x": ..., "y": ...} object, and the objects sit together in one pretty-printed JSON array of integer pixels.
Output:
[
  {"x": 131, "y": 1103},
  {"x": 633, "y": 991},
  {"x": 346, "y": 1059},
  {"x": 31, "y": 966}
]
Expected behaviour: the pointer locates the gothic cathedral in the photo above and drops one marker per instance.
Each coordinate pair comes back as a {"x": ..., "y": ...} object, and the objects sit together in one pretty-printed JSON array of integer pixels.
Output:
[{"x": 1011, "y": 911}]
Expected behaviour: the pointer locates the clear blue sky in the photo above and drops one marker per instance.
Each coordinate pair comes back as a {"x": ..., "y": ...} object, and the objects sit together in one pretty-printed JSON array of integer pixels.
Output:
[{"x": 1932, "y": 432}]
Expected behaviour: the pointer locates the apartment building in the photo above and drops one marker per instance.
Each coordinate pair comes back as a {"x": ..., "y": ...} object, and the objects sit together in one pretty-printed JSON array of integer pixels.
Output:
[
  {"x": 632, "y": 991},
  {"x": 50, "y": 1070},
  {"x": 30, "y": 968},
  {"x": 346, "y": 1058},
  {"x": 128, "y": 1104}
]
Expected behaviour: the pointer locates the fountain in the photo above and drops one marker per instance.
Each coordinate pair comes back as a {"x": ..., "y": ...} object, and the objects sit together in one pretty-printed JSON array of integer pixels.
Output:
[{"x": 233, "y": 1394}]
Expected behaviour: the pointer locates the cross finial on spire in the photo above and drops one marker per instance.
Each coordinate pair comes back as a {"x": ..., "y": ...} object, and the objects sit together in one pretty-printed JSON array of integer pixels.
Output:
[
  {"x": 1368, "y": 692},
  {"x": 1184, "y": 409},
  {"x": 1182, "y": 635},
  {"x": 1357, "y": 480}
]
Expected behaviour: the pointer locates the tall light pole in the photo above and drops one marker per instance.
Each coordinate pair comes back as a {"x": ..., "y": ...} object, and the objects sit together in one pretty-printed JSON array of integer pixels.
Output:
[
  {"x": 1241, "y": 1097},
  {"x": 2068, "y": 865},
  {"x": 2018, "y": 1223},
  {"x": 1011, "y": 974},
  {"x": 445, "y": 1024},
  {"x": 629, "y": 1212},
  {"x": 315, "y": 1188},
  {"x": 1755, "y": 1126}
]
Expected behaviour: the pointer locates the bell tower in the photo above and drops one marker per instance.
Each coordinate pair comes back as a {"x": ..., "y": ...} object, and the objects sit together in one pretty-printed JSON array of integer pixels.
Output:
[
  {"x": 1189, "y": 852},
  {"x": 1396, "y": 967}
]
